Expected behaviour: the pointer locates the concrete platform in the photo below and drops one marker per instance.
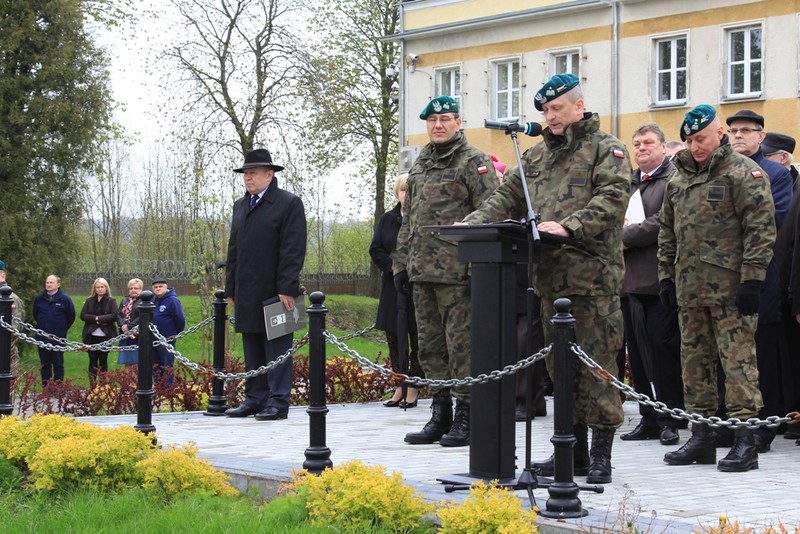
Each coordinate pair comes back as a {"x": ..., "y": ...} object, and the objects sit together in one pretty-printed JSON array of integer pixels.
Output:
[{"x": 646, "y": 492}]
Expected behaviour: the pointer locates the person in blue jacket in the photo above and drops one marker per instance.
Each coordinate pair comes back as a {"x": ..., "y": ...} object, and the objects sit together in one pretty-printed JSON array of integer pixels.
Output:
[
  {"x": 54, "y": 313},
  {"x": 170, "y": 321}
]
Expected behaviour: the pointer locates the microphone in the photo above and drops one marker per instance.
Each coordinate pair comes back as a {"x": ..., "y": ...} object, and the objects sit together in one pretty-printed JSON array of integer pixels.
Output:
[{"x": 531, "y": 129}]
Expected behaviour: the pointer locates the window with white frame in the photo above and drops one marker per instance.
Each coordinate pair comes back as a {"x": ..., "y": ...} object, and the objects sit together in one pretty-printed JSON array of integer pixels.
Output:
[
  {"x": 566, "y": 61},
  {"x": 670, "y": 70},
  {"x": 505, "y": 102},
  {"x": 448, "y": 82},
  {"x": 745, "y": 61}
]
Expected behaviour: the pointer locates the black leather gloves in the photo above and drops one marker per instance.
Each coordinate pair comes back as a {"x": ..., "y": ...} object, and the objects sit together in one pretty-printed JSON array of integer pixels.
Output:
[
  {"x": 402, "y": 284},
  {"x": 666, "y": 292},
  {"x": 748, "y": 296}
]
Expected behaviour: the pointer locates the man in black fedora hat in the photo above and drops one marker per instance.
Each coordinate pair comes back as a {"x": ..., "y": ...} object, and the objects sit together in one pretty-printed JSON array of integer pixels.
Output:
[{"x": 266, "y": 250}]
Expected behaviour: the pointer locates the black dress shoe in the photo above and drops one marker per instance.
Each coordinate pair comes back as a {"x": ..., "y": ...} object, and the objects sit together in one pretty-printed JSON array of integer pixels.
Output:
[
  {"x": 642, "y": 432},
  {"x": 519, "y": 413},
  {"x": 792, "y": 432},
  {"x": 404, "y": 404},
  {"x": 762, "y": 443},
  {"x": 392, "y": 404},
  {"x": 669, "y": 436},
  {"x": 242, "y": 411},
  {"x": 272, "y": 414}
]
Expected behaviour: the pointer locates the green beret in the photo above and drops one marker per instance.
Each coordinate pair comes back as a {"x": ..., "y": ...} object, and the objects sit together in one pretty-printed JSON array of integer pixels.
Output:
[
  {"x": 2, "y": 265},
  {"x": 697, "y": 119},
  {"x": 555, "y": 87},
  {"x": 440, "y": 104}
]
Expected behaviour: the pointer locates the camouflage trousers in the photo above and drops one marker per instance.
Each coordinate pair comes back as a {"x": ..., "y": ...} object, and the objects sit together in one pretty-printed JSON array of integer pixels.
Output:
[
  {"x": 444, "y": 322},
  {"x": 707, "y": 332},
  {"x": 598, "y": 331}
]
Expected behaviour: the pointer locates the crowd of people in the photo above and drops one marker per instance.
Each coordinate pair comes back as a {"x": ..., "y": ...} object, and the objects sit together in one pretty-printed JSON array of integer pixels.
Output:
[
  {"x": 687, "y": 264},
  {"x": 54, "y": 313}
]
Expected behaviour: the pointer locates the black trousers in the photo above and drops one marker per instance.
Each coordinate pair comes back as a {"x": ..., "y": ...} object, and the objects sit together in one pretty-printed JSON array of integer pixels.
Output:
[{"x": 664, "y": 341}]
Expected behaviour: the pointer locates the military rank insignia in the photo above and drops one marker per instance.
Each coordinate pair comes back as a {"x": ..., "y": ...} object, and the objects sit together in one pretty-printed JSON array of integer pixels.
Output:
[
  {"x": 757, "y": 174},
  {"x": 618, "y": 153}
]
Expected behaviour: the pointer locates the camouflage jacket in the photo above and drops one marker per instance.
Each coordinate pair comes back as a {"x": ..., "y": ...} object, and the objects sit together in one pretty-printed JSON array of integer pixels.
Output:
[
  {"x": 442, "y": 189},
  {"x": 18, "y": 308},
  {"x": 717, "y": 227},
  {"x": 582, "y": 181}
]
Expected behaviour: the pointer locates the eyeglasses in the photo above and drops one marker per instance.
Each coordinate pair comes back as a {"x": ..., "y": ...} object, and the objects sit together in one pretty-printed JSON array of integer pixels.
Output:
[
  {"x": 743, "y": 131},
  {"x": 444, "y": 119}
]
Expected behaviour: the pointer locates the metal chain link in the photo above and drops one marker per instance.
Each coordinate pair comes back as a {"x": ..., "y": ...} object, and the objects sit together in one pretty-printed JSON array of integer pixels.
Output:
[
  {"x": 219, "y": 374},
  {"x": 193, "y": 329},
  {"x": 358, "y": 333},
  {"x": 421, "y": 382},
  {"x": 69, "y": 346},
  {"x": 772, "y": 421}
]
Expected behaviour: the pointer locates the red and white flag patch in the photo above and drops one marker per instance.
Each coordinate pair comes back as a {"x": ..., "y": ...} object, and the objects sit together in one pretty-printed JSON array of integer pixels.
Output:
[
  {"x": 757, "y": 174},
  {"x": 482, "y": 169},
  {"x": 618, "y": 153}
]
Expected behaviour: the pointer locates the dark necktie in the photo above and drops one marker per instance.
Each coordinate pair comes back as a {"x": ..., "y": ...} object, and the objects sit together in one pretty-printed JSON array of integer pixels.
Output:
[{"x": 253, "y": 201}]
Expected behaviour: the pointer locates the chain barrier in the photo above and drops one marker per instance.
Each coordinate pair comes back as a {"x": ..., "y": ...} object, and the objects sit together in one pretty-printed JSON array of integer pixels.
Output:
[
  {"x": 451, "y": 383},
  {"x": 358, "y": 333},
  {"x": 219, "y": 374},
  {"x": 772, "y": 421},
  {"x": 66, "y": 345}
]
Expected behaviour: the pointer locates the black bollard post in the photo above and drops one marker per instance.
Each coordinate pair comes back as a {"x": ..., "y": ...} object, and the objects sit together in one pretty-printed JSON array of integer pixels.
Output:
[
  {"x": 563, "y": 501},
  {"x": 6, "y": 303},
  {"x": 144, "y": 391},
  {"x": 218, "y": 402},
  {"x": 318, "y": 455}
]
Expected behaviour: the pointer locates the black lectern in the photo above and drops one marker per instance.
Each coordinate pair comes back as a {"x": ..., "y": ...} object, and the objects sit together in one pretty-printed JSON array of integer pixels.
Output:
[{"x": 494, "y": 250}]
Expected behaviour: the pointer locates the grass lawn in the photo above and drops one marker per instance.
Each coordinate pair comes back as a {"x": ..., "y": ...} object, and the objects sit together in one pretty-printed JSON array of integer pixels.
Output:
[{"x": 346, "y": 314}]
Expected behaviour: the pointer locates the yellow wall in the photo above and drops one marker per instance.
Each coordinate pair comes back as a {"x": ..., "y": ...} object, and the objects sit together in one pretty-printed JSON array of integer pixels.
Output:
[{"x": 414, "y": 19}]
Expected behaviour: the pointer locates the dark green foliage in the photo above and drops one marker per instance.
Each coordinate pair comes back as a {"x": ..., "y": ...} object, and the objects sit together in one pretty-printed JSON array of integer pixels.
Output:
[
  {"x": 54, "y": 108},
  {"x": 10, "y": 476}
]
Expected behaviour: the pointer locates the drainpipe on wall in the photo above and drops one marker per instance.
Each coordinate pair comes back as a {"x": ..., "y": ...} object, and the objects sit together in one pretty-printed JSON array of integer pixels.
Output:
[
  {"x": 403, "y": 82},
  {"x": 615, "y": 68}
]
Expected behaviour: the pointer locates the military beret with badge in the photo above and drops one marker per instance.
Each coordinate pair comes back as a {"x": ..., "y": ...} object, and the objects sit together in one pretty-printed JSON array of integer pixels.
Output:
[
  {"x": 440, "y": 104},
  {"x": 554, "y": 87},
  {"x": 696, "y": 120}
]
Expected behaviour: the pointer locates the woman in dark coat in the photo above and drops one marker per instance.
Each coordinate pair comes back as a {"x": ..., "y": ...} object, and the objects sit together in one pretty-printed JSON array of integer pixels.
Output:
[
  {"x": 99, "y": 314},
  {"x": 393, "y": 308}
]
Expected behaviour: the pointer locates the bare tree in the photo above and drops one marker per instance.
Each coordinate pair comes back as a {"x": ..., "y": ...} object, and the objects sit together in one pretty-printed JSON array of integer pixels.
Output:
[
  {"x": 352, "y": 81},
  {"x": 238, "y": 62}
]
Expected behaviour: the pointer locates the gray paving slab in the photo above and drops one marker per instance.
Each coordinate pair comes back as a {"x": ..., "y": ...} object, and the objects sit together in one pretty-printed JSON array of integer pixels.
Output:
[{"x": 645, "y": 492}]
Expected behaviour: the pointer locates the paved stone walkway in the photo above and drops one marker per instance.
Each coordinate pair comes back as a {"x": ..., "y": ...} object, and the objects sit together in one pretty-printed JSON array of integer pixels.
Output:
[{"x": 653, "y": 496}]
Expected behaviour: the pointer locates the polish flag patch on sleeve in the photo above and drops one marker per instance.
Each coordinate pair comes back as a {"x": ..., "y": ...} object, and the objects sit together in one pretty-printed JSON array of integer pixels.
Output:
[
  {"x": 482, "y": 169},
  {"x": 757, "y": 174},
  {"x": 618, "y": 153}
]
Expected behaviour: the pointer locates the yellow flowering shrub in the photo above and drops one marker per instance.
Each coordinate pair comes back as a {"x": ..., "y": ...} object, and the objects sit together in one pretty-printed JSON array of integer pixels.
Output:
[
  {"x": 175, "y": 471},
  {"x": 487, "y": 510},
  {"x": 20, "y": 440},
  {"x": 105, "y": 460},
  {"x": 353, "y": 495},
  {"x": 727, "y": 527}
]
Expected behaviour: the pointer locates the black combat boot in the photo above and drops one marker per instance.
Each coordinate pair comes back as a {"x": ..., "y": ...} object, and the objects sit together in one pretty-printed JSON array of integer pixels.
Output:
[
  {"x": 600, "y": 466},
  {"x": 743, "y": 456},
  {"x": 580, "y": 454},
  {"x": 458, "y": 435},
  {"x": 700, "y": 448},
  {"x": 441, "y": 420}
]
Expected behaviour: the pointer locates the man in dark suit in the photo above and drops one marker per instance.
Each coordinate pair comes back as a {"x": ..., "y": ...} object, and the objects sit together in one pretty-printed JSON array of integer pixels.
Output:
[{"x": 266, "y": 250}]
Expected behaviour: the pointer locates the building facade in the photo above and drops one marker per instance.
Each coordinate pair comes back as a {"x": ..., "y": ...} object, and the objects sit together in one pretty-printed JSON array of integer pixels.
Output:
[{"x": 639, "y": 61}]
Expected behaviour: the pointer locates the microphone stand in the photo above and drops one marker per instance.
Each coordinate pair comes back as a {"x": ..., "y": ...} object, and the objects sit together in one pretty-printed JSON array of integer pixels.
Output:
[{"x": 528, "y": 479}]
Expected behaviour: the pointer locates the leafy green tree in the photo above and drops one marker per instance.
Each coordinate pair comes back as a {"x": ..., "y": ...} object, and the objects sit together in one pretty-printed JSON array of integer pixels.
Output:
[
  {"x": 352, "y": 80},
  {"x": 54, "y": 109}
]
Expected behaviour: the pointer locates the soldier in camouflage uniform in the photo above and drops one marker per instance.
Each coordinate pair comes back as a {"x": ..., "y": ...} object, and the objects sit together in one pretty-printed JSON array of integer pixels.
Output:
[
  {"x": 579, "y": 181},
  {"x": 716, "y": 237},
  {"x": 448, "y": 180},
  {"x": 17, "y": 310}
]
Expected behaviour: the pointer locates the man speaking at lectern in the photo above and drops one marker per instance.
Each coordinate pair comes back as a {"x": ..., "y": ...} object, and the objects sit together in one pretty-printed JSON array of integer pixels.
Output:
[{"x": 578, "y": 179}]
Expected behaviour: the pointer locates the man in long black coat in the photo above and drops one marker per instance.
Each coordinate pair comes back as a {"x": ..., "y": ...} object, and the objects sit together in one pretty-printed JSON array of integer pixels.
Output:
[{"x": 266, "y": 250}]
